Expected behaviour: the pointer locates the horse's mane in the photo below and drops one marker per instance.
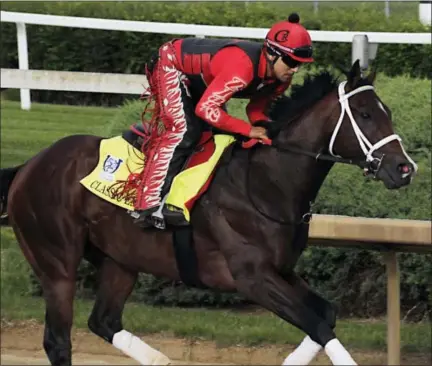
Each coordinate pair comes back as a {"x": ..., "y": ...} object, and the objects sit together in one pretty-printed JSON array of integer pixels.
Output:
[
  {"x": 315, "y": 87},
  {"x": 302, "y": 97}
]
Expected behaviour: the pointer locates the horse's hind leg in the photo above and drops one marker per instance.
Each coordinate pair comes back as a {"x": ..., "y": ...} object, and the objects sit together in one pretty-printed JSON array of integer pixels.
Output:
[
  {"x": 55, "y": 262},
  {"x": 58, "y": 284},
  {"x": 58, "y": 320},
  {"x": 115, "y": 285}
]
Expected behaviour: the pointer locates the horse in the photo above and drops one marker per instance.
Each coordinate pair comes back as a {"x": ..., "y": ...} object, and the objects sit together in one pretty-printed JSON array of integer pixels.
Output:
[{"x": 249, "y": 228}]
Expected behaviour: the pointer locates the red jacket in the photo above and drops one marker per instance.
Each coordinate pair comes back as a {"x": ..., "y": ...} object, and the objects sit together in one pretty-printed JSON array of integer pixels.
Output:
[{"x": 219, "y": 70}]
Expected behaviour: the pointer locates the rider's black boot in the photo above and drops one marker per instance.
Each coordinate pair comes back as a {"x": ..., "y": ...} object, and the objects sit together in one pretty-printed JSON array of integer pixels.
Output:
[{"x": 150, "y": 217}]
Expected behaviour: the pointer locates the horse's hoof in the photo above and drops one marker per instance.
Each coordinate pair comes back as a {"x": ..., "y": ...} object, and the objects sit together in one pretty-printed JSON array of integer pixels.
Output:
[{"x": 161, "y": 360}]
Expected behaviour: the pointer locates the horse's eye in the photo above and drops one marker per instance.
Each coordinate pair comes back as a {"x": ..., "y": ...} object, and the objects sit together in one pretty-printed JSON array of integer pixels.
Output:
[{"x": 365, "y": 115}]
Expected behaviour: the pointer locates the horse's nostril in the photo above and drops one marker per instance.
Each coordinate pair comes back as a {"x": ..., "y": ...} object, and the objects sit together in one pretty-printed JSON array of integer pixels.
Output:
[{"x": 405, "y": 169}]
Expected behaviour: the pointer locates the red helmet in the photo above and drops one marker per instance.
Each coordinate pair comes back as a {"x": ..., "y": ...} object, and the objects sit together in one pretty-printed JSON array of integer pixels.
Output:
[{"x": 289, "y": 38}]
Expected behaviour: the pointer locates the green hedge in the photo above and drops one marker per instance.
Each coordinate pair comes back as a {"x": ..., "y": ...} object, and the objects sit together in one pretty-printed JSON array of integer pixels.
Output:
[
  {"x": 73, "y": 49},
  {"x": 355, "y": 281}
]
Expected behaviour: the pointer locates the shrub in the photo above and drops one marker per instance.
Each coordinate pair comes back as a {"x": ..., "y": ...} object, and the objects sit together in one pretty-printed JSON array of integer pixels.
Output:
[{"x": 74, "y": 49}]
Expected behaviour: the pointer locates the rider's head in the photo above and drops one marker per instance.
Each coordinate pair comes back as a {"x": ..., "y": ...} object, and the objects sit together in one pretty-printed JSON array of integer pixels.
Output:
[{"x": 288, "y": 45}]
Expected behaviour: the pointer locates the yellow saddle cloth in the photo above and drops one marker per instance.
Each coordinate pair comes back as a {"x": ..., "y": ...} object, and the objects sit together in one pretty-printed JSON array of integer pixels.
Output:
[{"x": 118, "y": 159}]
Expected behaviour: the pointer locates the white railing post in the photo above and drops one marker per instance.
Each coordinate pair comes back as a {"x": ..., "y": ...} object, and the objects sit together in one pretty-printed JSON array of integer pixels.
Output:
[
  {"x": 360, "y": 50},
  {"x": 23, "y": 63},
  {"x": 387, "y": 8},
  {"x": 424, "y": 10}
]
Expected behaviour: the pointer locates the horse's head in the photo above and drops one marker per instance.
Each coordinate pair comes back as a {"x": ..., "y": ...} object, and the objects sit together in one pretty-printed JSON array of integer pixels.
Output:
[
  {"x": 342, "y": 122},
  {"x": 364, "y": 130}
]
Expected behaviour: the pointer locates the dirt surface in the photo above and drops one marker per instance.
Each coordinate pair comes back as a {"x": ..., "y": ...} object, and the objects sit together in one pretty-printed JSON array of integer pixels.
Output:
[{"x": 21, "y": 344}]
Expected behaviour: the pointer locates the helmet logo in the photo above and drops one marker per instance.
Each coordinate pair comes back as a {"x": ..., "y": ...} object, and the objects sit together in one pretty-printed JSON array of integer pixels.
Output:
[{"x": 281, "y": 36}]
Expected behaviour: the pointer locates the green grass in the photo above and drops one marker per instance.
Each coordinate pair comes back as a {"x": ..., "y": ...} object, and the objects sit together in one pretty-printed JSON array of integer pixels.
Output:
[
  {"x": 15, "y": 280},
  {"x": 226, "y": 327},
  {"x": 24, "y": 133}
]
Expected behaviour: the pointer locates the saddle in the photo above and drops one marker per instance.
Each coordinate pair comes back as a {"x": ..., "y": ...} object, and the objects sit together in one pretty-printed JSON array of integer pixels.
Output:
[
  {"x": 136, "y": 134},
  {"x": 192, "y": 181}
]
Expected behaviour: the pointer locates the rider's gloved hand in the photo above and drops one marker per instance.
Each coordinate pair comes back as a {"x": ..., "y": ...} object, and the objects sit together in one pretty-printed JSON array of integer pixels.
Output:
[{"x": 259, "y": 133}]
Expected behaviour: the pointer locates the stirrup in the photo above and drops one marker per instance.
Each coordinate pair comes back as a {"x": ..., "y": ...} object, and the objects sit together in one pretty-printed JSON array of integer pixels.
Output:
[
  {"x": 142, "y": 218},
  {"x": 157, "y": 217}
]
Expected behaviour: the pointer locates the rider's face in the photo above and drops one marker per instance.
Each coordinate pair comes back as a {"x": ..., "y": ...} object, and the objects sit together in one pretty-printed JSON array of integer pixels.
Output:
[{"x": 282, "y": 71}]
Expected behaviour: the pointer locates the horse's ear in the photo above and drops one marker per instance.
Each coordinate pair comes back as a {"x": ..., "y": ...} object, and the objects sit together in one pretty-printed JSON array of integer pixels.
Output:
[
  {"x": 354, "y": 75},
  {"x": 372, "y": 75}
]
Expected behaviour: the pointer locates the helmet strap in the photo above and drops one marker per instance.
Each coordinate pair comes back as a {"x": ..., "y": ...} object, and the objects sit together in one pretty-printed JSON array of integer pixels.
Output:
[{"x": 270, "y": 51}]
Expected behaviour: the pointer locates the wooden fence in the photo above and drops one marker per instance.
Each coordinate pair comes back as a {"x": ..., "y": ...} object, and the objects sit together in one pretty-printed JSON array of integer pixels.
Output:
[{"x": 386, "y": 235}]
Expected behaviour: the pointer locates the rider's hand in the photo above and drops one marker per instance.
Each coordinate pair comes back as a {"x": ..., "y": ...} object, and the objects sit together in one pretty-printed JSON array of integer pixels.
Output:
[{"x": 259, "y": 133}]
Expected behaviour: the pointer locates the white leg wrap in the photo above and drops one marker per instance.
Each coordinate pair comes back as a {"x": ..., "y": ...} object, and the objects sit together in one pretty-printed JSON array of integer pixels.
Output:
[
  {"x": 337, "y": 353},
  {"x": 304, "y": 353},
  {"x": 138, "y": 350}
]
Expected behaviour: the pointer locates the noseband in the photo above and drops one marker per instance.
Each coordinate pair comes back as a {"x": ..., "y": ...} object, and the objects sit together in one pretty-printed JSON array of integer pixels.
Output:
[{"x": 373, "y": 163}]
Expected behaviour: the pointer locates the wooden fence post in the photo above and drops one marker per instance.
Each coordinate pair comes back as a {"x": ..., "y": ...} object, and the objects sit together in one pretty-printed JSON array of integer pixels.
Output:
[{"x": 393, "y": 308}]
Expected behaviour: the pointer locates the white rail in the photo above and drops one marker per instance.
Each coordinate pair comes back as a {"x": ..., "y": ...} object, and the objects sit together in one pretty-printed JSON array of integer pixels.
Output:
[
  {"x": 74, "y": 81},
  {"x": 121, "y": 83},
  {"x": 203, "y": 30}
]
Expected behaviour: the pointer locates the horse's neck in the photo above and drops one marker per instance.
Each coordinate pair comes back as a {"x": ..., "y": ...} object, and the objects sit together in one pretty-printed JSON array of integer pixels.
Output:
[
  {"x": 293, "y": 183},
  {"x": 312, "y": 131},
  {"x": 295, "y": 179}
]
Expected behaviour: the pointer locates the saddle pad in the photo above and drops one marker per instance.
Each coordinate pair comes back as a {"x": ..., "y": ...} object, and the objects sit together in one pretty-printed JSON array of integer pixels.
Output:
[
  {"x": 187, "y": 185},
  {"x": 117, "y": 159}
]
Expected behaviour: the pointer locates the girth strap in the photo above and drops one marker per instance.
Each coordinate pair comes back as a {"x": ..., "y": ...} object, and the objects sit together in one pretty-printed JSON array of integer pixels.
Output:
[{"x": 186, "y": 257}]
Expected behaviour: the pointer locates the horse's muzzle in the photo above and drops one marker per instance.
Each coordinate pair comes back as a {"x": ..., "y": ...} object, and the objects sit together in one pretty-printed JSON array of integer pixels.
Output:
[{"x": 394, "y": 171}]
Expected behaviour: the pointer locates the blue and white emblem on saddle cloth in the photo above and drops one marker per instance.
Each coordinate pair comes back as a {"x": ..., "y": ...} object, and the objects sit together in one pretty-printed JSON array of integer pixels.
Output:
[{"x": 110, "y": 166}]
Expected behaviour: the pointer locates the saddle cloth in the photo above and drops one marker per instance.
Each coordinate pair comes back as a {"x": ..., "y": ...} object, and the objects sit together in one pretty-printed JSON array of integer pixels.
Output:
[{"x": 118, "y": 159}]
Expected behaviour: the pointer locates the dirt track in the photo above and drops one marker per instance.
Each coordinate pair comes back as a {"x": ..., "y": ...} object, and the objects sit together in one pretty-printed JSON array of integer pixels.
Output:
[{"x": 21, "y": 344}]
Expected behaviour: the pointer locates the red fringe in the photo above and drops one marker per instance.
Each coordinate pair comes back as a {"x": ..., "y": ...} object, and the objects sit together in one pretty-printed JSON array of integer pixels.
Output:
[{"x": 127, "y": 189}]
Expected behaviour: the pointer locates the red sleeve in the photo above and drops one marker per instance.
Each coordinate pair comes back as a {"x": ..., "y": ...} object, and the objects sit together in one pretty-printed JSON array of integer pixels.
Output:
[
  {"x": 257, "y": 106},
  {"x": 233, "y": 71}
]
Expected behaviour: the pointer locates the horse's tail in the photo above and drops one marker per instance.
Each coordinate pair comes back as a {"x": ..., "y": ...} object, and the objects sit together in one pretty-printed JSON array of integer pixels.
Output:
[{"x": 6, "y": 177}]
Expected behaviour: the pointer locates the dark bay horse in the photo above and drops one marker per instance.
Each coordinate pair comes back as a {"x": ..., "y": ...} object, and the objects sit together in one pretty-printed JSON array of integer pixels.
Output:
[{"x": 249, "y": 228}]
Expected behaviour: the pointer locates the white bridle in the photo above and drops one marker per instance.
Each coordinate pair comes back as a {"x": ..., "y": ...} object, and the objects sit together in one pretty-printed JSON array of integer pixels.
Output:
[{"x": 367, "y": 147}]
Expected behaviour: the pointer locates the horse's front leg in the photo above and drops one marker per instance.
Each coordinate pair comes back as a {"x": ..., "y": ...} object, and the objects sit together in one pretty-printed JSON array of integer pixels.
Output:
[
  {"x": 256, "y": 278},
  {"x": 260, "y": 282},
  {"x": 308, "y": 349}
]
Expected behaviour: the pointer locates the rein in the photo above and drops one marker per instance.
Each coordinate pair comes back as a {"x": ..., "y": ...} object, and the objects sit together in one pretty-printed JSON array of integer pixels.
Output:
[
  {"x": 320, "y": 156},
  {"x": 306, "y": 217}
]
